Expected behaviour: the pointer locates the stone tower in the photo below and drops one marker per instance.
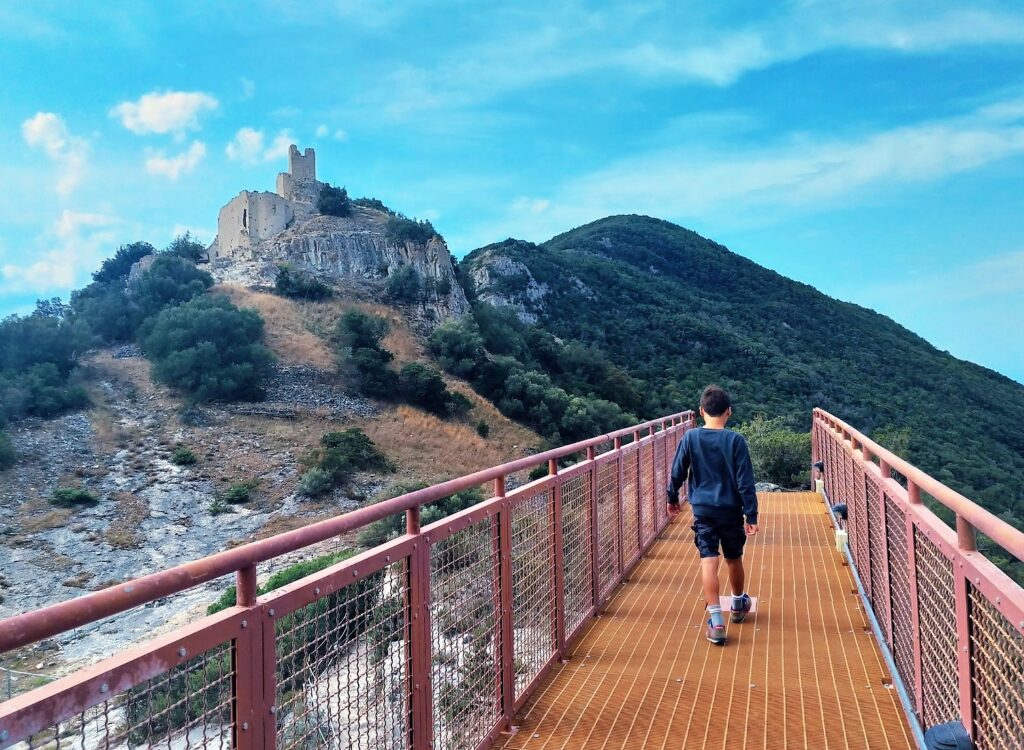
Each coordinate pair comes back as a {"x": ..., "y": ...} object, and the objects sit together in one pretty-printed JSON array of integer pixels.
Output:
[{"x": 299, "y": 184}]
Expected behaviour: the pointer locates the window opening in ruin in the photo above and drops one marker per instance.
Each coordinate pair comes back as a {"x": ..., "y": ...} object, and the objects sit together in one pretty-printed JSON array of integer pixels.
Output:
[{"x": 245, "y": 218}]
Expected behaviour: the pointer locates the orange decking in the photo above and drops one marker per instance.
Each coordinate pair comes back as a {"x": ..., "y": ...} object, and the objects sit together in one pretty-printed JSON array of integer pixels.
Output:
[{"x": 804, "y": 672}]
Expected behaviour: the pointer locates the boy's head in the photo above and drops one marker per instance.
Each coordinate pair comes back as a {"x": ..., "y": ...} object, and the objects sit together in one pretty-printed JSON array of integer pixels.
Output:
[{"x": 715, "y": 402}]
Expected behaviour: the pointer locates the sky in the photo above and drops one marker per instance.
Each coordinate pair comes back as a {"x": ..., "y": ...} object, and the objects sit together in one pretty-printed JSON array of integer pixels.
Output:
[{"x": 874, "y": 150}]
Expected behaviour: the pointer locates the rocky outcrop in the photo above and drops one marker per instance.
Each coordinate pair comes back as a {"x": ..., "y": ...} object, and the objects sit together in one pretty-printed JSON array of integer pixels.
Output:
[
  {"x": 354, "y": 253},
  {"x": 506, "y": 282}
]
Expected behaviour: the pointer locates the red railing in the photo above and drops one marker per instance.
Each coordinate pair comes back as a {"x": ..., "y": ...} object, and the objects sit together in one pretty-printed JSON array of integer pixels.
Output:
[
  {"x": 952, "y": 621},
  {"x": 432, "y": 640}
]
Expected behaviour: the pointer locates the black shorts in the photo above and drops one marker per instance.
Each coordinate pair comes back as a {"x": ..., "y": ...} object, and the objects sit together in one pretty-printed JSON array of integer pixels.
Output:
[{"x": 709, "y": 533}]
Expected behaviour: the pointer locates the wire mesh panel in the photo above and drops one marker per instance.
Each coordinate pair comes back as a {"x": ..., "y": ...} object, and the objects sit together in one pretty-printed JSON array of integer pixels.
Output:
[
  {"x": 630, "y": 519},
  {"x": 342, "y": 679},
  {"x": 858, "y": 526},
  {"x": 576, "y": 544},
  {"x": 646, "y": 493},
  {"x": 937, "y": 618},
  {"x": 607, "y": 526},
  {"x": 876, "y": 549},
  {"x": 899, "y": 587},
  {"x": 465, "y": 613},
  {"x": 533, "y": 586},
  {"x": 997, "y": 676},
  {"x": 659, "y": 479},
  {"x": 187, "y": 706}
]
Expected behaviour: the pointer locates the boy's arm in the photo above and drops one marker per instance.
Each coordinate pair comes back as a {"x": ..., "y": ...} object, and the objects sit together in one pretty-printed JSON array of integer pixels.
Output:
[
  {"x": 680, "y": 471},
  {"x": 745, "y": 480}
]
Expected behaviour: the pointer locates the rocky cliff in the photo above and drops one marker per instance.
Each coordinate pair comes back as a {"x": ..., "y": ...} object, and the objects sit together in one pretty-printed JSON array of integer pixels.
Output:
[{"x": 355, "y": 254}]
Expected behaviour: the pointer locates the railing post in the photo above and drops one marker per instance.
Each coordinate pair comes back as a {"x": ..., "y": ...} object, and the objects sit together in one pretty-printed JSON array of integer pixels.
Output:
[
  {"x": 621, "y": 505},
  {"x": 253, "y": 725},
  {"x": 914, "y": 494},
  {"x": 963, "y": 648},
  {"x": 419, "y": 643},
  {"x": 595, "y": 575},
  {"x": 507, "y": 674},
  {"x": 558, "y": 559}
]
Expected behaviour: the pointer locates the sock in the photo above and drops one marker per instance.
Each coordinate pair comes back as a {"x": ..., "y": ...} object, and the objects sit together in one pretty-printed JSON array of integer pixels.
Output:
[
  {"x": 715, "y": 611},
  {"x": 737, "y": 601}
]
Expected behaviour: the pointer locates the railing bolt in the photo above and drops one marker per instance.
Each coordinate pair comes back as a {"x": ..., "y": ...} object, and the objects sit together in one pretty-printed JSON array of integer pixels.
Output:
[
  {"x": 182, "y": 652},
  {"x": 316, "y": 591},
  {"x": 273, "y": 709},
  {"x": 3, "y": 735},
  {"x": 104, "y": 688},
  {"x": 245, "y": 726},
  {"x": 271, "y": 613},
  {"x": 245, "y": 623}
]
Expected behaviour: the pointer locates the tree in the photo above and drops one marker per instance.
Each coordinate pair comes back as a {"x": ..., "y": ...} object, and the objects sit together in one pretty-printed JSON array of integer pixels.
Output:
[
  {"x": 209, "y": 349},
  {"x": 296, "y": 284},
  {"x": 424, "y": 387},
  {"x": 186, "y": 246},
  {"x": 357, "y": 330},
  {"x": 117, "y": 268},
  {"x": 458, "y": 346},
  {"x": 404, "y": 285},
  {"x": 333, "y": 201},
  {"x": 402, "y": 229},
  {"x": 171, "y": 280},
  {"x": 104, "y": 308}
]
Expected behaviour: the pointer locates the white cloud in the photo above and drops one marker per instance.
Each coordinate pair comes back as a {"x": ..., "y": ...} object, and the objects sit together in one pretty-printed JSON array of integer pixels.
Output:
[
  {"x": 249, "y": 146},
  {"x": 47, "y": 131},
  {"x": 201, "y": 234},
  {"x": 74, "y": 244},
  {"x": 174, "y": 112},
  {"x": 322, "y": 131},
  {"x": 248, "y": 88},
  {"x": 338, "y": 134},
  {"x": 172, "y": 167}
]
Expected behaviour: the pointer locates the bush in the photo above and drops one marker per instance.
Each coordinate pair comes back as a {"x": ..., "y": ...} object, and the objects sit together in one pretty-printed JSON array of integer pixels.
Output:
[
  {"x": 8, "y": 456},
  {"x": 296, "y": 284},
  {"x": 392, "y": 526},
  {"x": 483, "y": 429},
  {"x": 41, "y": 391},
  {"x": 186, "y": 246},
  {"x": 209, "y": 349},
  {"x": 778, "y": 454},
  {"x": 333, "y": 201},
  {"x": 315, "y": 482},
  {"x": 424, "y": 387},
  {"x": 182, "y": 456},
  {"x": 118, "y": 267},
  {"x": 373, "y": 203},
  {"x": 239, "y": 493},
  {"x": 357, "y": 330},
  {"x": 104, "y": 307},
  {"x": 400, "y": 229},
  {"x": 459, "y": 347},
  {"x": 171, "y": 280},
  {"x": 373, "y": 376},
  {"x": 219, "y": 507},
  {"x": 357, "y": 449},
  {"x": 72, "y": 497},
  {"x": 404, "y": 285}
]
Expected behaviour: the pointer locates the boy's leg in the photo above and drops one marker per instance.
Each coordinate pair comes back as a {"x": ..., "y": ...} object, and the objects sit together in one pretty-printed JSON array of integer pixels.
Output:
[
  {"x": 737, "y": 576},
  {"x": 709, "y": 577}
]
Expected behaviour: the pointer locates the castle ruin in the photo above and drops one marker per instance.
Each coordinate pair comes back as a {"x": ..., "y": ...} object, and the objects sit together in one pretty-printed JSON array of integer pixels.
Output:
[{"x": 252, "y": 217}]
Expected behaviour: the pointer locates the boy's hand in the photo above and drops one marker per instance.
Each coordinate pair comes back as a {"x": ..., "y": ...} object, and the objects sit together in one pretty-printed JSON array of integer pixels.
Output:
[
  {"x": 672, "y": 509},
  {"x": 751, "y": 529}
]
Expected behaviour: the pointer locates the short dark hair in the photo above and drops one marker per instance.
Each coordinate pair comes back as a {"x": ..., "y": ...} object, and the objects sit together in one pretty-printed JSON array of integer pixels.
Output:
[{"x": 715, "y": 400}]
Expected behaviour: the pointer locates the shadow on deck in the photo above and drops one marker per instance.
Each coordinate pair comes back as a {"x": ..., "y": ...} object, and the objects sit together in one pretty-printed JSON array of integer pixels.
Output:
[{"x": 804, "y": 672}]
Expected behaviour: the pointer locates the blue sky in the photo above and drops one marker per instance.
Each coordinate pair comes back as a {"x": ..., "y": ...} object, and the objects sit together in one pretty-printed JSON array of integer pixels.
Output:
[{"x": 872, "y": 149}]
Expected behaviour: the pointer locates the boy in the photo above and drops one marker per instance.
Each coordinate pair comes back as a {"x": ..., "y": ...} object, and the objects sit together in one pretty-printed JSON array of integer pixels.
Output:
[{"x": 716, "y": 462}]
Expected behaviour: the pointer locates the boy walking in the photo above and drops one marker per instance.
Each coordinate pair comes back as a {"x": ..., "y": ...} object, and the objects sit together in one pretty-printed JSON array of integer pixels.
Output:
[{"x": 716, "y": 461}]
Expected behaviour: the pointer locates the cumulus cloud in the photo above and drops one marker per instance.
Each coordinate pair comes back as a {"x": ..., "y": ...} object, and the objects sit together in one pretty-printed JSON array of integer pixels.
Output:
[
  {"x": 249, "y": 146},
  {"x": 74, "y": 244},
  {"x": 174, "y": 112},
  {"x": 48, "y": 132},
  {"x": 338, "y": 134},
  {"x": 172, "y": 167}
]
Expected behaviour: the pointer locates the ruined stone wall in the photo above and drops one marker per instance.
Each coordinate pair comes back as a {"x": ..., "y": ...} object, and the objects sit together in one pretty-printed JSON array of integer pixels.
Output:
[
  {"x": 302, "y": 167},
  {"x": 250, "y": 218}
]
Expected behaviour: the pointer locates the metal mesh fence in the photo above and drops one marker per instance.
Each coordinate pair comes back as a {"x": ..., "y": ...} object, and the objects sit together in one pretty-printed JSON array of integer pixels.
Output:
[
  {"x": 646, "y": 495},
  {"x": 187, "y": 706},
  {"x": 659, "y": 479},
  {"x": 899, "y": 587},
  {"x": 465, "y": 612},
  {"x": 576, "y": 544},
  {"x": 877, "y": 550},
  {"x": 608, "y": 541},
  {"x": 630, "y": 508},
  {"x": 342, "y": 678},
  {"x": 997, "y": 676},
  {"x": 858, "y": 526},
  {"x": 533, "y": 587},
  {"x": 937, "y": 618}
]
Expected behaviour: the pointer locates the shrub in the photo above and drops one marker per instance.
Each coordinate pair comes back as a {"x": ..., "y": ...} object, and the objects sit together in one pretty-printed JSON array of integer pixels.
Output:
[
  {"x": 538, "y": 472},
  {"x": 118, "y": 267},
  {"x": 218, "y": 507},
  {"x": 357, "y": 448},
  {"x": 374, "y": 377},
  {"x": 373, "y": 203},
  {"x": 182, "y": 456},
  {"x": 779, "y": 455},
  {"x": 483, "y": 429},
  {"x": 404, "y": 285},
  {"x": 7, "y": 453},
  {"x": 291, "y": 282},
  {"x": 424, "y": 387},
  {"x": 333, "y": 201},
  {"x": 209, "y": 349},
  {"x": 401, "y": 228},
  {"x": 358, "y": 330},
  {"x": 239, "y": 493},
  {"x": 458, "y": 403},
  {"x": 392, "y": 526},
  {"x": 72, "y": 497},
  {"x": 47, "y": 336},
  {"x": 171, "y": 280},
  {"x": 40, "y": 391},
  {"x": 186, "y": 246},
  {"x": 315, "y": 482},
  {"x": 459, "y": 347},
  {"x": 104, "y": 307}
]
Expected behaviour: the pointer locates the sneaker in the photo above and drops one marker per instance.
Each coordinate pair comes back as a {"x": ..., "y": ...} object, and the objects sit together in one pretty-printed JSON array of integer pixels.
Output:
[
  {"x": 716, "y": 634},
  {"x": 739, "y": 613}
]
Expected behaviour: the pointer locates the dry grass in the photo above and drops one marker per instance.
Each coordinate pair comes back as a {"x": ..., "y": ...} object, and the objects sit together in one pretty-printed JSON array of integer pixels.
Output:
[
  {"x": 123, "y": 532},
  {"x": 79, "y": 581},
  {"x": 54, "y": 519}
]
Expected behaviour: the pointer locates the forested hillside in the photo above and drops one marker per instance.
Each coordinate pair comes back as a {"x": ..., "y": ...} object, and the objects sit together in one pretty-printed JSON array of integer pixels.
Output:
[{"x": 676, "y": 311}]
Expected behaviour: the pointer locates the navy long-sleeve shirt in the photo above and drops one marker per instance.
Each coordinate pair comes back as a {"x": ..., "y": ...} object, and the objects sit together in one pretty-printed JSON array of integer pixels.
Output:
[{"x": 717, "y": 464}]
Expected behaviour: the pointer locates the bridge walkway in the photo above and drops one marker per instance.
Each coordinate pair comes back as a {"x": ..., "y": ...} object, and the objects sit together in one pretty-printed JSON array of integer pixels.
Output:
[{"x": 803, "y": 672}]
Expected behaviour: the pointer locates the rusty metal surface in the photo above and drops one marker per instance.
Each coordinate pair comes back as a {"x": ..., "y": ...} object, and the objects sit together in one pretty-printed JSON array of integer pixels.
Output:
[{"x": 801, "y": 673}]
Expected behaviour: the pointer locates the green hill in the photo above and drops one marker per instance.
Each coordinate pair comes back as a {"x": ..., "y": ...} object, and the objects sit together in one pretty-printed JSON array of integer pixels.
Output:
[{"x": 676, "y": 311}]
